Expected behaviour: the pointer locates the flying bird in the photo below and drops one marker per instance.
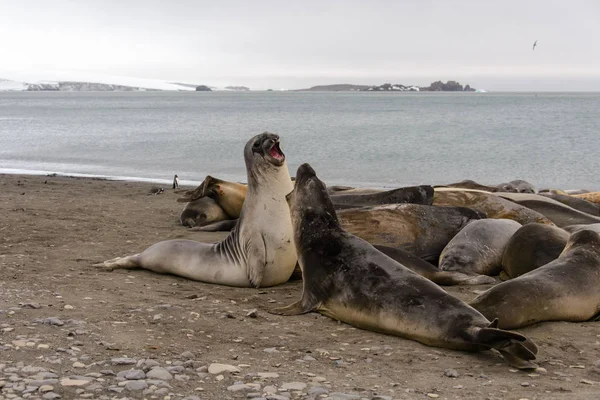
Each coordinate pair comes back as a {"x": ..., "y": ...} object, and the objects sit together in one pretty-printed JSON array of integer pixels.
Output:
[{"x": 534, "y": 44}]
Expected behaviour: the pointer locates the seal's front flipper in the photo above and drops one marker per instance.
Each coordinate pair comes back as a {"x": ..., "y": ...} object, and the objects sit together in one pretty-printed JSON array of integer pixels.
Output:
[
  {"x": 296, "y": 308},
  {"x": 128, "y": 262},
  {"x": 220, "y": 226}
]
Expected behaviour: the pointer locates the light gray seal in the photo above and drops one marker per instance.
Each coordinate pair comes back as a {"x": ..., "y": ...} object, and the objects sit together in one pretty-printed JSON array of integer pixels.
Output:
[
  {"x": 477, "y": 249},
  {"x": 564, "y": 290},
  {"x": 575, "y": 228},
  {"x": 347, "y": 279},
  {"x": 259, "y": 252},
  {"x": 516, "y": 186},
  {"x": 531, "y": 247}
]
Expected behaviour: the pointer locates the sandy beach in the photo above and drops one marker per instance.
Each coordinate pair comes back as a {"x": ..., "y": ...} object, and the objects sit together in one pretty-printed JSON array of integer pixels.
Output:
[{"x": 60, "y": 318}]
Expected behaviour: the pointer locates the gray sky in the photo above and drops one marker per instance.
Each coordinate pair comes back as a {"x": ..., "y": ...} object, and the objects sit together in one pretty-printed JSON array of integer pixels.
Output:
[{"x": 285, "y": 44}]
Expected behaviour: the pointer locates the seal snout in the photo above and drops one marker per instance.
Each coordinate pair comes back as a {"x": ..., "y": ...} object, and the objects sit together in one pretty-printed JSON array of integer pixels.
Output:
[{"x": 305, "y": 171}]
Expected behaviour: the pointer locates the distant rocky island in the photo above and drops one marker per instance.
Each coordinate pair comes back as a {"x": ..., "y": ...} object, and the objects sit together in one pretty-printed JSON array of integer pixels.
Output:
[{"x": 437, "y": 86}]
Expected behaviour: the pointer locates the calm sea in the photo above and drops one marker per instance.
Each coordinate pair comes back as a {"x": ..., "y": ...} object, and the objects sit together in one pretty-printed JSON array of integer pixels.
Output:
[{"x": 363, "y": 139}]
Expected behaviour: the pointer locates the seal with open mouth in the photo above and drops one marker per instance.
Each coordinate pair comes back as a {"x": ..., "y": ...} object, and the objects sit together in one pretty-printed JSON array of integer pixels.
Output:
[
  {"x": 347, "y": 279},
  {"x": 260, "y": 250}
]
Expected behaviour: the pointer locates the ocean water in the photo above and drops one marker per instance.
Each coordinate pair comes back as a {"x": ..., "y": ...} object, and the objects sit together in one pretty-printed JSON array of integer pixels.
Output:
[{"x": 362, "y": 139}]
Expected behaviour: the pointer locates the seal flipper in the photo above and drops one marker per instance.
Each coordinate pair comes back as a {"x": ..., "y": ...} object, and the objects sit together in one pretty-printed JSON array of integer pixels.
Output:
[
  {"x": 516, "y": 349},
  {"x": 220, "y": 226},
  {"x": 297, "y": 308},
  {"x": 128, "y": 262}
]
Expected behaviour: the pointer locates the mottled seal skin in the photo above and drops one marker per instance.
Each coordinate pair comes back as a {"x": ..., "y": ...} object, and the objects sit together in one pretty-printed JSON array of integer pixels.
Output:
[
  {"x": 574, "y": 202},
  {"x": 430, "y": 271},
  {"x": 593, "y": 197},
  {"x": 477, "y": 249},
  {"x": 258, "y": 252},
  {"x": 421, "y": 230},
  {"x": 347, "y": 279},
  {"x": 469, "y": 184},
  {"x": 532, "y": 246},
  {"x": 229, "y": 196},
  {"x": 516, "y": 186},
  {"x": 564, "y": 290},
  {"x": 202, "y": 211},
  {"x": 560, "y": 214},
  {"x": 413, "y": 194},
  {"x": 489, "y": 203},
  {"x": 575, "y": 228}
]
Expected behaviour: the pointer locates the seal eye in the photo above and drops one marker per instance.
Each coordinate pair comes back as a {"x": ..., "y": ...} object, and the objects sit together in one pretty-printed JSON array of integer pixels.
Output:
[{"x": 256, "y": 145}]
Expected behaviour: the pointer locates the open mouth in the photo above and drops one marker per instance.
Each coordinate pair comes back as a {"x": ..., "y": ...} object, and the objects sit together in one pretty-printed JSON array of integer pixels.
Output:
[{"x": 276, "y": 153}]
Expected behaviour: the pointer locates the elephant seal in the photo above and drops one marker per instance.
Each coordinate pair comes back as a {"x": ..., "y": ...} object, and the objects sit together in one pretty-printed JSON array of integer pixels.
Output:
[
  {"x": 516, "y": 186},
  {"x": 430, "y": 271},
  {"x": 413, "y": 194},
  {"x": 593, "y": 197},
  {"x": 421, "y": 230},
  {"x": 489, "y": 203},
  {"x": 532, "y": 246},
  {"x": 574, "y": 202},
  {"x": 347, "y": 279},
  {"x": 259, "y": 252},
  {"x": 469, "y": 184},
  {"x": 228, "y": 195},
  {"x": 201, "y": 212},
  {"x": 477, "y": 249},
  {"x": 560, "y": 214},
  {"x": 338, "y": 188},
  {"x": 564, "y": 290},
  {"x": 575, "y": 228}
]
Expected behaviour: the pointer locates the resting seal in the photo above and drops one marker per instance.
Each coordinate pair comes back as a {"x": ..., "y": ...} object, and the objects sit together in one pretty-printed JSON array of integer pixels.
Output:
[
  {"x": 477, "y": 249},
  {"x": 489, "y": 203},
  {"x": 421, "y": 230},
  {"x": 559, "y": 213},
  {"x": 516, "y": 186},
  {"x": 258, "y": 252},
  {"x": 347, "y": 279},
  {"x": 575, "y": 202},
  {"x": 413, "y": 194},
  {"x": 532, "y": 246},
  {"x": 201, "y": 212},
  {"x": 593, "y": 197},
  {"x": 469, "y": 184},
  {"x": 564, "y": 290},
  {"x": 228, "y": 195}
]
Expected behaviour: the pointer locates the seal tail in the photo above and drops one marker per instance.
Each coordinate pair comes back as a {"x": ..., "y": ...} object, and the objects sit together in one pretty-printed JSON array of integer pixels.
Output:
[
  {"x": 516, "y": 349},
  {"x": 127, "y": 262}
]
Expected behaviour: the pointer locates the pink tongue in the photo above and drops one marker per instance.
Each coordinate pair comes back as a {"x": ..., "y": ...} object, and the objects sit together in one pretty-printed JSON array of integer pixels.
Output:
[{"x": 274, "y": 152}]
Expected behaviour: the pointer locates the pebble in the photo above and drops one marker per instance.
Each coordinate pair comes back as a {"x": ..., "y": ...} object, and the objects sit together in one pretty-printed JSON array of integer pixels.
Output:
[
  {"x": 159, "y": 373},
  {"x": 252, "y": 313},
  {"x": 277, "y": 397},
  {"x": 270, "y": 389},
  {"x": 308, "y": 358},
  {"x": 51, "y": 396},
  {"x": 433, "y": 395},
  {"x": 68, "y": 307},
  {"x": 135, "y": 374},
  {"x": 43, "y": 346},
  {"x": 187, "y": 355},
  {"x": 343, "y": 396},
  {"x": 73, "y": 382},
  {"x": 216, "y": 368},
  {"x": 586, "y": 381},
  {"x": 317, "y": 390},
  {"x": 294, "y": 386},
  {"x": 268, "y": 375},
  {"x": 46, "y": 388},
  {"x": 239, "y": 387},
  {"x": 78, "y": 365},
  {"x": 123, "y": 361},
  {"x": 136, "y": 385},
  {"x": 524, "y": 384},
  {"x": 271, "y": 350},
  {"x": 380, "y": 397},
  {"x": 596, "y": 367},
  {"x": 451, "y": 373}
]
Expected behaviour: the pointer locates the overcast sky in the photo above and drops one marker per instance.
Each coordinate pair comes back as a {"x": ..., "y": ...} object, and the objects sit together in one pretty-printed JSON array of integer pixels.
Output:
[{"x": 295, "y": 44}]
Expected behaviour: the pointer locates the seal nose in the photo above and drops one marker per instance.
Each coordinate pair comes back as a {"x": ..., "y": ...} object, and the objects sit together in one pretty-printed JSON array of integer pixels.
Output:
[{"x": 305, "y": 170}]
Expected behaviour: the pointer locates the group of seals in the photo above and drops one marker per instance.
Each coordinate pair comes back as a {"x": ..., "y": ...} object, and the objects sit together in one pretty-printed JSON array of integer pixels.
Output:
[
  {"x": 374, "y": 266},
  {"x": 347, "y": 279},
  {"x": 260, "y": 250},
  {"x": 566, "y": 289}
]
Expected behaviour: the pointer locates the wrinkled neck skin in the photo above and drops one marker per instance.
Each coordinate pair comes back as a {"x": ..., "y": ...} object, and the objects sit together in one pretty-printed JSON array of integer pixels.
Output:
[{"x": 269, "y": 179}]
